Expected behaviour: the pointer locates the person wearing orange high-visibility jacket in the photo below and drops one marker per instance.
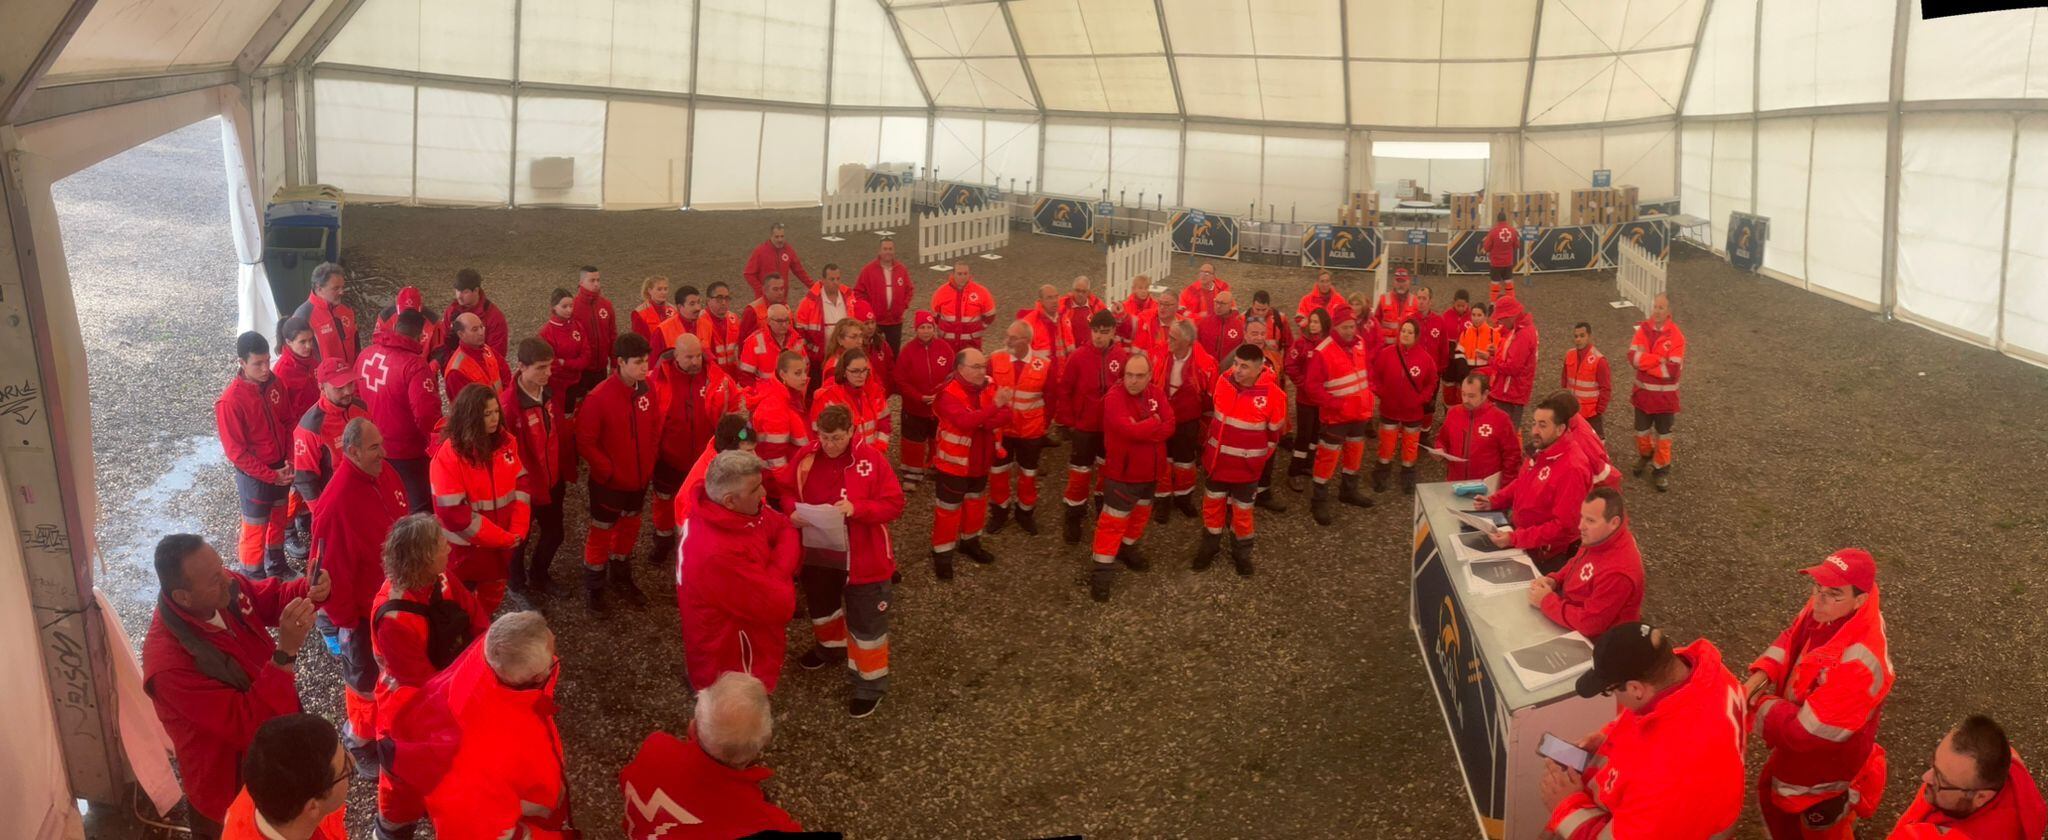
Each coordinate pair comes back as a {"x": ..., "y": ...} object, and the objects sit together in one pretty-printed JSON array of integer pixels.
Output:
[
  {"x": 1048, "y": 341},
  {"x": 690, "y": 394},
  {"x": 1477, "y": 342},
  {"x": 719, "y": 328},
  {"x": 1337, "y": 379},
  {"x": 1396, "y": 305},
  {"x": 1587, "y": 376},
  {"x": 1186, "y": 374},
  {"x": 682, "y": 319},
  {"x": 1199, "y": 297},
  {"x": 1075, "y": 309},
  {"x": 646, "y": 319},
  {"x": 1090, "y": 372},
  {"x": 1250, "y": 411},
  {"x": 1137, "y": 419},
  {"x": 781, "y": 413},
  {"x": 972, "y": 413},
  {"x": 920, "y": 370},
  {"x": 827, "y": 303},
  {"x": 1322, "y": 295},
  {"x": 335, "y": 330},
  {"x": 853, "y": 384},
  {"x": 963, "y": 307},
  {"x": 1975, "y": 788},
  {"x": 1657, "y": 352},
  {"x": 1255, "y": 336},
  {"x": 1404, "y": 379},
  {"x": 472, "y": 362},
  {"x": 1031, "y": 379},
  {"x": 758, "y": 354},
  {"x": 1815, "y": 698},
  {"x": 1501, "y": 244},
  {"x": 1669, "y": 766},
  {"x": 477, "y": 498}
]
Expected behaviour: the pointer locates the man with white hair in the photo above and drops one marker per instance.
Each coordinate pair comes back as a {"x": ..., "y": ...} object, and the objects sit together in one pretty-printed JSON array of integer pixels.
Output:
[
  {"x": 736, "y": 587},
  {"x": 710, "y": 785},
  {"x": 503, "y": 776}
]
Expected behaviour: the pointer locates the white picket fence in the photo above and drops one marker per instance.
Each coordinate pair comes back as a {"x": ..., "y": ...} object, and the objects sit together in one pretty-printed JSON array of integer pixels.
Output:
[
  {"x": 962, "y": 232},
  {"x": 1639, "y": 276},
  {"x": 853, "y": 211},
  {"x": 1150, "y": 256}
]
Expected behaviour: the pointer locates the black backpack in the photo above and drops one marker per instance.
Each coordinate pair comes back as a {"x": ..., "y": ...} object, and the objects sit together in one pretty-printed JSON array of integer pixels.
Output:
[{"x": 447, "y": 625}]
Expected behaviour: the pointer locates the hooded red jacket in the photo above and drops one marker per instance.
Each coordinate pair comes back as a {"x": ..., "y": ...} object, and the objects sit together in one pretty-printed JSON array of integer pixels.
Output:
[
  {"x": 1337, "y": 379},
  {"x": 1543, "y": 501},
  {"x": 1405, "y": 380},
  {"x": 294, "y": 373},
  {"x": 675, "y": 791},
  {"x": 618, "y": 432},
  {"x": 1134, "y": 433},
  {"x": 690, "y": 405},
  {"x": 1084, "y": 381},
  {"x": 482, "y": 511},
  {"x": 1581, "y": 435},
  {"x": 1821, "y": 722},
  {"x": 547, "y": 444},
  {"x": 919, "y": 372},
  {"x": 862, "y": 477},
  {"x": 496, "y": 334},
  {"x": 254, "y": 430},
  {"x": 210, "y": 722},
  {"x": 735, "y": 591},
  {"x": 350, "y": 521},
  {"x": 1514, "y": 362},
  {"x": 1486, "y": 439},
  {"x": 1599, "y": 587},
  {"x": 595, "y": 315},
  {"x": 489, "y": 754},
  {"x": 399, "y": 390}
]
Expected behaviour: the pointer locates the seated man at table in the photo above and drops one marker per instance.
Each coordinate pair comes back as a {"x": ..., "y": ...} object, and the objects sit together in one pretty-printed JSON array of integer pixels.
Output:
[
  {"x": 1545, "y": 497},
  {"x": 1603, "y": 584},
  {"x": 1669, "y": 766}
]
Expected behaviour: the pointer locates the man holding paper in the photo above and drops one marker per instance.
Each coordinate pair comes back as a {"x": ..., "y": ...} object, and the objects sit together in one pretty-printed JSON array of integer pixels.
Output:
[
  {"x": 846, "y": 495},
  {"x": 1478, "y": 439},
  {"x": 1603, "y": 585}
]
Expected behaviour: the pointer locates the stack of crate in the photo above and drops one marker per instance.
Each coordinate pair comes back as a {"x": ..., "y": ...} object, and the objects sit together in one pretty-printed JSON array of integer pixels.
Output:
[
  {"x": 1363, "y": 210},
  {"x": 1606, "y": 206},
  {"x": 1537, "y": 209},
  {"x": 1468, "y": 212}
]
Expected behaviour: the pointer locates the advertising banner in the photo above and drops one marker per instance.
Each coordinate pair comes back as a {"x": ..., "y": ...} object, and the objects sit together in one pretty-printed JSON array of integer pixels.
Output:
[
  {"x": 1654, "y": 235},
  {"x": 1203, "y": 234},
  {"x": 1571, "y": 248},
  {"x": 1746, "y": 236},
  {"x": 1068, "y": 217},
  {"x": 1342, "y": 247},
  {"x": 955, "y": 196},
  {"x": 1467, "y": 253},
  {"x": 1464, "y": 689}
]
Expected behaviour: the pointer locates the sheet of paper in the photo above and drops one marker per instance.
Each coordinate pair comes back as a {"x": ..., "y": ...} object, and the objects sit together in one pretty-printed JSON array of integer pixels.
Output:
[
  {"x": 1551, "y": 661},
  {"x": 1473, "y": 545},
  {"x": 1502, "y": 574},
  {"x": 822, "y": 526}
]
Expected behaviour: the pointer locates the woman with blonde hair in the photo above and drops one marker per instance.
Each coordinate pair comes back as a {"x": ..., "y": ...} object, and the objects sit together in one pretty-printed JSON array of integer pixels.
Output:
[{"x": 654, "y": 308}]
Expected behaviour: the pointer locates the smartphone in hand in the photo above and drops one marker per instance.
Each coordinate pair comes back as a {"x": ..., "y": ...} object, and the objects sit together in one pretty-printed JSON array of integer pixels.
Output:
[{"x": 1564, "y": 752}]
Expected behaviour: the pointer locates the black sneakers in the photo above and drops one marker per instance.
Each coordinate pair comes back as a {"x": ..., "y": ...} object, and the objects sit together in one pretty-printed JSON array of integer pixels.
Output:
[
  {"x": 813, "y": 659},
  {"x": 861, "y": 707}
]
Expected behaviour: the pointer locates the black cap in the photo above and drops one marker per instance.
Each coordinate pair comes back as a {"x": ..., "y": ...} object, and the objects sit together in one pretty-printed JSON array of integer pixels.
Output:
[{"x": 1631, "y": 651}]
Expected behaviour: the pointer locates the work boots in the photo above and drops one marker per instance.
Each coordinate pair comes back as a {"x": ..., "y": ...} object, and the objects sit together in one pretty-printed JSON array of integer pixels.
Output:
[
  {"x": 1319, "y": 504},
  {"x": 593, "y": 590},
  {"x": 1206, "y": 553},
  {"x": 998, "y": 516},
  {"x": 1162, "y": 508},
  {"x": 942, "y": 565},
  {"x": 1100, "y": 580},
  {"x": 1348, "y": 492},
  {"x": 1408, "y": 479},
  {"x": 277, "y": 567},
  {"x": 297, "y": 540},
  {"x": 1642, "y": 464},
  {"x": 1027, "y": 521},
  {"x": 1379, "y": 476},
  {"x": 621, "y": 571},
  {"x": 1185, "y": 502},
  {"x": 971, "y": 547},
  {"x": 1663, "y": 479},
  {"x": 1241, "y": 556},
  {"x": 1072, "y": 526},
  {"x": 1269, "y": 500},
  {"x": 1133, "y": 558},
  {"x": 663, "y": 555}
]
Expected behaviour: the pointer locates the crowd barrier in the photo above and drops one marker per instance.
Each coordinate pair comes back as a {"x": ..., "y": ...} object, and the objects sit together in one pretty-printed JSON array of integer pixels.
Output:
[
  {"x": 950, "y": 234},
  {"x": 850, "y": 212},
  {"x": 1149, "y": 255},
  {"x": 1639, "y": 275}
]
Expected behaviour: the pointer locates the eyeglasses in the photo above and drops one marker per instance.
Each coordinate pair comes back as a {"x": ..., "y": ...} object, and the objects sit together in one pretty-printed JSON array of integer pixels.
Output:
[
  {"x": 348, "y": 769},
  {"x": 1936, "y": 784},
  {"x": 853, "y": 370},
  {"x": 721, "y": 297}
]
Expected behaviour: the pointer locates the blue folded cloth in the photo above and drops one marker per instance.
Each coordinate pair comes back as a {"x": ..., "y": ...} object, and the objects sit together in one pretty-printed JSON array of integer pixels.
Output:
[
  {"x": 333, "y": 644},
  {"x": 1468, "y": 488}
]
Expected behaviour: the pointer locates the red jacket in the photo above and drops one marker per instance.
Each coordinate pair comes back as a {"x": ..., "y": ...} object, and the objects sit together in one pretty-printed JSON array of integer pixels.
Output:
[
  {"x": 861, "y": 476},
  {"x": 1501, "y": 242},
  {"x": 573, "y": 355},
  {"x": 335, "y": 332},
  {"x": 963, "y": 312},
  {"x": 350, "y": 522},
  {"x": 1279, "y": 329},
  {"x": 869, "y": 407},
  {"x": 759, "y": 352},
  {"x": 1405, "y": 380},
  {"x": 1580, "y": 434},
  {"x": 547, "y": 444},
  {"x": 1830, "y": 684},
  {"x": 1671, "y": 770},
  {"x": 1245, "y": 430},
  {"x": 675, "y": 791},
  {"x": 1086, "y": 379},
  {"x": 241, "y": 822},
  {"x": 735, "y": 591},
  {"x": 1074, "y": 315},
  {"x": 399, "y": 390},
  {"x": 1486, "y": 439},
  {"x": 1586, "y": 375},
  {"x": 921, "y": 370},
  {"x": 210, "y": 721},
  {"x": 1296, "y": 365},
  {"x": 969, "y": 414},
  {"x": 646, "y": 322},
  {"x": 1543, "y": 501},
  {"x": 690, "y": 406},
  {"x": 2016, "y": 812},
  {"x": 496, "y": 334},
  {"x": 1197, "y": 301},
  {"x": 1048, "y": 340},
  {"x": 598, "y": 319},
  {"x": 1134, "y": 433},
  {"x": 399, "y": 641},
  {"x": 474, "y": 366},
  {"x": 1441, "y": 333},
  {"x": 490, "y": 754},
  {"x": 316, "y": 445},
  {"x": 889, "y": 293},
  {"x": 254, "y": 430},
  {"x": 768, "y": 259},
  {"x": 294, "y": 373},
  {"x": 1219, "y": 336},
  {"x": 618, "y": 432},
  {"x": 1313, "y": 301},
  {"x": 1599, "y": 587},
  {"x": 1337, "y": 382},
  {"x": 809, "y": 318},
  {"x": 1658, "y": 356},
  {"x": 781, "y": 425},
  {"x": 1514, "y": 364},
  {"x": 483, "y": 512},
  {"x": 721, "y": 339},
  {"x": 1190, "y": 401},
  {"x": 1388, "y": 313}
]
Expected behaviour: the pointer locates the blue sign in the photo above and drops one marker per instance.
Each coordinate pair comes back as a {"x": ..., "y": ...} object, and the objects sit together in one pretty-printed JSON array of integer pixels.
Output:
[
  {"x": 1196, "y": 216},
  {"x": 1323, "y": 232},
  {"x": 1529, "y": 233},
  {"x": 1603, "y": 178},
  {"x": 1418, "y": 236},
  {"x": 1105, "y": 209}
]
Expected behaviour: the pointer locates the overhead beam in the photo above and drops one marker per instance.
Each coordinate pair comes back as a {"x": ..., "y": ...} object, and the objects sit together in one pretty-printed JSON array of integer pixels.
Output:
[
  {"x": 51, "y": 101},
  {"x": 271, "y": 33},
  {"x": 323, "y": 31},
  {"x": 916, "y": 72},
  {"x": 1529, "y": 82},
  {"x": 1180, "y": 104},
  {"x": 1692, "y": 62},
  {"x": 36, "y": 32},
  {"x": 1023, "y": 61}
]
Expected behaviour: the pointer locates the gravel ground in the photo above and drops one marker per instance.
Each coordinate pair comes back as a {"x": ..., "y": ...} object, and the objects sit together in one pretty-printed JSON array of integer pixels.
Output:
[{"x": 1193, "y": 704}]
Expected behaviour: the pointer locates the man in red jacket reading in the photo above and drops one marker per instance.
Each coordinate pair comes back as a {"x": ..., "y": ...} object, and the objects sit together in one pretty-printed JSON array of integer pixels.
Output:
[
  {"x": 1603, "y": 585},
  {"x": 618, "y": 432},
  {"x": 1477, "y": 438},
  {"x": 707, "y": 787},
  {"x": 736, "y": 588}
]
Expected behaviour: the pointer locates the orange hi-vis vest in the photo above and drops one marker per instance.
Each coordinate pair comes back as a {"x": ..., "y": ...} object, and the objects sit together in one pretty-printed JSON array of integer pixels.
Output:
[
  {"x": 1030, "y": 380},
  {"x": 1583, "y": 375},
  {"x": 1476, "y": 340},
  {"x": 475, "y": 366},
  {"x": 1390, "y": 314},
  {"x": 1339, "y": 374},
  {"x": 720, "y": 337},
  {"x": 958, "y": 445},
  {"x": 1244, "y": 429}
]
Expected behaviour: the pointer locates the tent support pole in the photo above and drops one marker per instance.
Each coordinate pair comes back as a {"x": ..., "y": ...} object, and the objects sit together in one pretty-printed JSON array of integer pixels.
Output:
[{"x": 1894, "y": 153}]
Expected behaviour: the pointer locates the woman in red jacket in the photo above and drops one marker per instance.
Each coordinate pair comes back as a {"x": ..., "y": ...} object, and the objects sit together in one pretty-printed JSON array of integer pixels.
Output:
[
  {"x": 475, "y": 478},
  {"x": 848, "y": 589},
  {"x": 1136, "y": 421},
  {"x": 854, "y": 388},
  {"x": 1307, "y": 418},
  {"x": 296, "y": 362},
  {"x": 654, "y": 308},
  {"x": 923, "y": 367},
  {"x": 1404, "y": 376},
  {"x": 572, "y": 348}
]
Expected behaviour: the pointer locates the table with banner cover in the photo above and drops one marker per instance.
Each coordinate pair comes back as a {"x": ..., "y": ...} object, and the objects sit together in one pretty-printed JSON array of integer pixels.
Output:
[{"x": 1464, "y": 638}]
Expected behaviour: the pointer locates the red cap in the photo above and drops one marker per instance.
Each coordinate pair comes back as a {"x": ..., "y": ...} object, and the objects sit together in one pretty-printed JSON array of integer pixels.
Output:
[
  {"x": 861, "y": 311},
  {"x": 334, "y": 373},
  {"x": 410, "y": 298},
  {"x": 1341, "y": 312},
  {"x": 1847, "y": 567},
  {"x": 1400, "y": 272},
  {"x": 923, "y": 317}
]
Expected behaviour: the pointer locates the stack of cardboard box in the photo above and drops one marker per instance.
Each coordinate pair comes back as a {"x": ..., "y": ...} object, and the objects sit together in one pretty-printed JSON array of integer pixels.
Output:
[
  {"x": 1605, "y": 206},
  {"x": 1363, "y": 210},
  {"x": 1525, "y": 209},
  {"x": 1468, "y": 211}
]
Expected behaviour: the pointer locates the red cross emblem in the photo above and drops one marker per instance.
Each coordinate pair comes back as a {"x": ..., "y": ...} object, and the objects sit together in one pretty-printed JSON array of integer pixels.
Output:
[
  {"x": 1259, "y": 403},
  {"x": 509, "y": 457},
  {"x": 1585, "y": 572},
  {"x": 1486, "y": 430},
  {"x": 1414, "y": 370},
  {"x": 1116, "y": 366},
  {"x": 865, "y": 468},
  {"x": 1543, "y": 474},
  {"x": 641, "y": 403}
]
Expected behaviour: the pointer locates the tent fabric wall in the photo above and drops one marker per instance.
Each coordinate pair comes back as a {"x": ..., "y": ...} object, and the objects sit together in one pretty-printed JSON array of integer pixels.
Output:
[
  {"x": 1144, "y": 163},
  {"x": 1728, "y": 191},
  {"x": 1076, "y": 158},
  {"x": 551, "y": 126},
  {"x": 1562, "y": 161},
  {"x": 1952, "y": 193},
  {"x": 1845, "y": 209},
  {"x": 364, "y": 137},
  {"x": 464, "y": 141},
  {"x": 646, "y": 163},
  {"x": 449, "y": 37},
  {"x": 1222, "y": 169},
  {"x": 2025, "y": 324},
  {"x": 1723, "y": 76},
  {"x": 135, "y": 37},
  {"x": 1824, "y": 52},
  {"x": 1980, "y": 55},
  {"x": 631, "y": 44},
  {"x": 1784, "y": 152}
]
